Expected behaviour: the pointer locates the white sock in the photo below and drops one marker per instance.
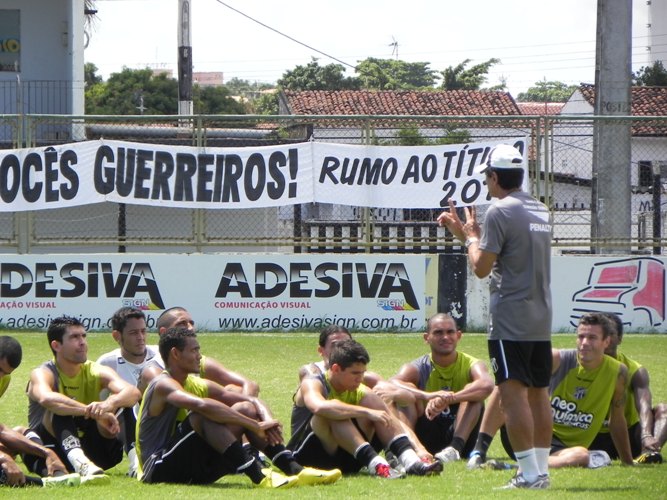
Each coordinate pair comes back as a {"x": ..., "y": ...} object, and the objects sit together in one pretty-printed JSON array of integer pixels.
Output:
[
  {"x": 77, "y": 457},
  {"x": 527, "y": 460},
  {"x": 408, "y": 458},
  {"x": 542, "y": 456},
  {"x": 132, "y": 457},
  {"x": 377, "y": 460}
]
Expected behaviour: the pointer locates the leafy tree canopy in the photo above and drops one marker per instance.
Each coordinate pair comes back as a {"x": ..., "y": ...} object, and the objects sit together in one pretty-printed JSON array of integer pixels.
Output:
[
  {"x": 654, "y": 75},
  {"x": 126, "y": 92},
  {"x": 238, "y": 86},
  {"x": 392, "y": 74},
  {"x": 312, "y": 76},
  {"x": 460, "y": 78},
  {"x": 544, "y": 91},
  {"x": 90, "y": 76},
  {"x": 215, "y": 101}
]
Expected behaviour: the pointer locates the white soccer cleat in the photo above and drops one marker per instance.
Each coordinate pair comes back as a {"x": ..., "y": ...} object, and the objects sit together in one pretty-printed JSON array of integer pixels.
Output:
[
  {"x": 62, "y": 480},
  {"x": 448, "y": 455},
  {"x": 519, "y": 482}
]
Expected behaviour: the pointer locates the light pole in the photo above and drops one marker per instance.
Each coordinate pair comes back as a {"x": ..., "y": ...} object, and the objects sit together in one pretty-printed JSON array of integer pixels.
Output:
[{"x": 184, "y": 59}]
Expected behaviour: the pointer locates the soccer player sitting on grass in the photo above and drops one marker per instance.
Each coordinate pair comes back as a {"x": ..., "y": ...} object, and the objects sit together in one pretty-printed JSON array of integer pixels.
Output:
[
  {"x": 12, "y": 442},
  {"x": 346, "y": 417},
  {"x": 586, "y": 387},
  {"x": 331, "y": 335},
  {"x": 189, "y": 429},
  {"x": 445, "y": 392},
  {"x": 65, "y": 409},
  {"x": 211, "y": 369},
  {"x": 647, "y": 425},
  {"x": 132, "y": 355}
]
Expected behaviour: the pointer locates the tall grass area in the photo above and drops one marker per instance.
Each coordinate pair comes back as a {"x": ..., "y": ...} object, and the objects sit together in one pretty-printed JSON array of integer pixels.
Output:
[{"x": 273, "y": 360}]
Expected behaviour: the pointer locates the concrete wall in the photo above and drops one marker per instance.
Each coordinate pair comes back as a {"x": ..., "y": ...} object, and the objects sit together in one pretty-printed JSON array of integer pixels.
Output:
[{"x": 51, "y": 47}]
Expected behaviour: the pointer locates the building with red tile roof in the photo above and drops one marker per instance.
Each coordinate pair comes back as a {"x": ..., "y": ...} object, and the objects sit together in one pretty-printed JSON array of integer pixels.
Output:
[
  {"x": 403, "y": 102},
  {"x": 540, "y": 108}
]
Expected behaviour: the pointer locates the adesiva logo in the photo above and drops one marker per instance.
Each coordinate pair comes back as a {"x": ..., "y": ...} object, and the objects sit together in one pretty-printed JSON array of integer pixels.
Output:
[
  {"x": 389, "y": 282},
  {"x": 77, "y": 279},
  {"x": 624, "y": 287}
]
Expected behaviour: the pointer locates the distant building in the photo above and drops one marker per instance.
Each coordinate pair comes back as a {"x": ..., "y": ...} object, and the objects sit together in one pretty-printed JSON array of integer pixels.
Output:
[
  {"x": 41, "y": 63},
  {"x": 208, "y": 78},
  {"x": 540, "y": 108},
  {"x": 571, "y": 159},
  {"x": 169, "y": 73}
]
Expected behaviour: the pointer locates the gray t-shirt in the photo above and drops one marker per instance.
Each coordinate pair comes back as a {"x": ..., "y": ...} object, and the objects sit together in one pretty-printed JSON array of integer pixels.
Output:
[{"x": 517, "y": 229}]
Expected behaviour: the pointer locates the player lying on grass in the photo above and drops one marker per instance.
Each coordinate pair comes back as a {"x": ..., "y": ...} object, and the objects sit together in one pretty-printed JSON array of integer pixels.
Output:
[
  {"x": 189, "y": 429},
  {"x": 12, "y": 442},
  {"x": 344, "y": 417}
]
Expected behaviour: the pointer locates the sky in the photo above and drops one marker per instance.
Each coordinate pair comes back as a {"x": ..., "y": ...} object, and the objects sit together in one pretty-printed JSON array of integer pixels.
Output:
[{"x": 535, "y": 40}]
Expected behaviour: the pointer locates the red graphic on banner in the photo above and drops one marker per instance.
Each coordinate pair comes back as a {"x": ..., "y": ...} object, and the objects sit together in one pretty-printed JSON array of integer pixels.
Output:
[{"x": 626, "y": 287}]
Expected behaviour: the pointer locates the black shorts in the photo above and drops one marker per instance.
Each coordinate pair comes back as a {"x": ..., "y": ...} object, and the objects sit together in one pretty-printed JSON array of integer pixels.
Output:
[
  {"x": 528, "y": 362},
  {"x": 309, "y": 451},
  {"x": 186, "y": 459},
  {"x": 104, "y": 452},
  {"x": 604, "y": 442},
  {"x": 438, "y": 433}
]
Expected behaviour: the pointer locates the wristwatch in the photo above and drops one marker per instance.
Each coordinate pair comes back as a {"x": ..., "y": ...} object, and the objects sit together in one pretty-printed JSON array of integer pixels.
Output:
[{"x": 470, "y": 241}]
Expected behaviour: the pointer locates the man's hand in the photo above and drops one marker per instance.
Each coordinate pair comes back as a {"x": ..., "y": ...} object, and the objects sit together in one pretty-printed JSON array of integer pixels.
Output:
[
  {"x": 97, "y": 408},
  {"x": 456, "y": 226},
  {"x": 438, "y": 403},
  {"x": 649, "y": 443},
  {"x": 109, "y": 423},
  {"x": 272, "y": 431},
  {"x": 12, "y": 472},
  {"x": 54, "y": 464},
  {"x": 380, "y": 416}
]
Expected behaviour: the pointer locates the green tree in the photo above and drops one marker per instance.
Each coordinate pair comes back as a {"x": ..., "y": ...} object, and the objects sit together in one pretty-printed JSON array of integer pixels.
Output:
[
  {"x": 124, "y": 93},
  {"x": 265, "y": 104},
  {"x": 90, "y": 76},
  {"x": 411, "y": 136},
  {"x": 215, "y": 101},
  {"x": 391, "y": 74},
  {"x": 654, "y": 75},
  {"x": 246, "y": 88},
  {"x": 460, "y": 78},
  {"x": 312, "y": 76},
  {"x": 545, "y": 91}
]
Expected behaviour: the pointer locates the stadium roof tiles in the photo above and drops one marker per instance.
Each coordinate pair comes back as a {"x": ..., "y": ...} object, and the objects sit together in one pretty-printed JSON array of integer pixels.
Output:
[
  {"x": 645, "y": 101},
  {"x": 540, "y": 108},
  {"x": 406, "y": 102}
]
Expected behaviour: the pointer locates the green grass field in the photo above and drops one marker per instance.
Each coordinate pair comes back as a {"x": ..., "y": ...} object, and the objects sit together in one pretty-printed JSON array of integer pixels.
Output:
[{"x": 273, "y": 360}]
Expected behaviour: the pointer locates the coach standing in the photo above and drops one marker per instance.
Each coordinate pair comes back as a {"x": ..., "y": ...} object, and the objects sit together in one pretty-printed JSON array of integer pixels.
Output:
[{"x": 515, "y": 248}]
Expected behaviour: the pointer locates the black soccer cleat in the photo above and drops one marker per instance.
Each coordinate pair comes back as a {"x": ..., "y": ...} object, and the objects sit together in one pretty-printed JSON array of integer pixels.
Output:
[
  {"x": 649, "y": 457},
  {"x": 425, "y": 468}
]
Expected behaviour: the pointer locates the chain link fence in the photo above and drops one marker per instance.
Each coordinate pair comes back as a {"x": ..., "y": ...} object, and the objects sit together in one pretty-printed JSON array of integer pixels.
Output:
[{"x": 585, "y": 197}]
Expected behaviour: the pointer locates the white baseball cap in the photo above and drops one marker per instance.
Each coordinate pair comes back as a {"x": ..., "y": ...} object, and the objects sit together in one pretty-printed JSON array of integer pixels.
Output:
[{"x": 502, "y": 156}]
